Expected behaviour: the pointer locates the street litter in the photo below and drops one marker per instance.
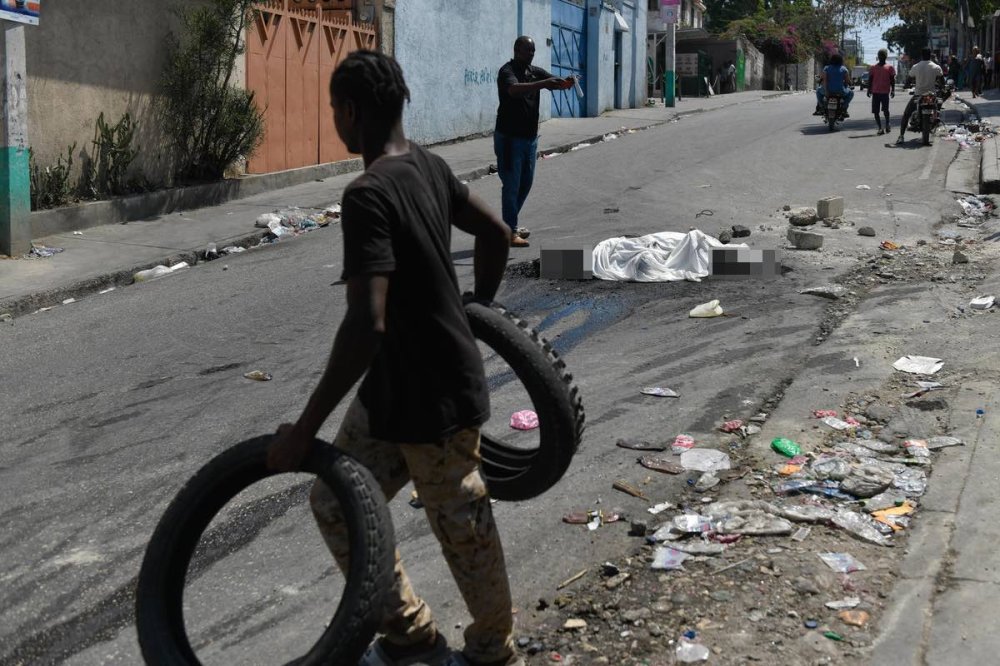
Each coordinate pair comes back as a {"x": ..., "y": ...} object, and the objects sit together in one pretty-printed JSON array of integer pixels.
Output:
[
  {"x": 943, "y": 441},
  {"x": 609, "y": 137},
  {"x": 158, "y": 272},
  {"x": 698, "y": 547},
  {"x": 660, "y": 392},
  {"x": 842, "y": 562},
  {"x": 572, "y": 579},
  {"x": 640, "y": 445},
  {"x": 889, "y": 245},
  {"x": 854, "y": 618},
  {"x": 836, "y": 423},
  {"x": 785, "y": 447},
  {"x": 919, "y": 365},
  {"x": 233, "y": 249},
  {"x": 705, "y": 460},
  {"x": 106, "y": 291},
  {"x": 917, "y": 448},
  {"x": 861, "y": 526},
  {"x": 295, "y": 221},
  {"x": 68, "y": 301},
  {"x": 895, "y": 516},
  {"x": 682, "y": 443},
  {"x": 574, "y": 623},
  {"x": 42, "y": 252},
  {"x": 660, "y": 508},
  {"x": 731, "y": 426},
  {"x": 710, "y": 309},
  {"x": 844, "y": 604},
  {"x": 801, "y": 534},
  {"x": 823, "y": 413},
  {"x": 77, "y": 233},
  {"x": 524, "y": 420},
  {"x": 629, "y": 489},
  {"x": 863, "y": 187},
  {"x": 580, "y": 146},
  {"x": 661, "y": 465},
  {"x": 659, "y": 257},
  {"x": 707, "y": 481},
  {"x": 831, "y": 291},
  {"x": 592, "y": 519},
  {"x": 258, "y": 376},
  {"x": 982, "y": 303},
  {"x": 668, "y": 558},
  {"x": 691, "y": 653}
]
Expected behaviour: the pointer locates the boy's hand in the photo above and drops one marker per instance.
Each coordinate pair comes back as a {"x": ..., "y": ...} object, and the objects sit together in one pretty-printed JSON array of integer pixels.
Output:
[{"x": 288, "y": 449}]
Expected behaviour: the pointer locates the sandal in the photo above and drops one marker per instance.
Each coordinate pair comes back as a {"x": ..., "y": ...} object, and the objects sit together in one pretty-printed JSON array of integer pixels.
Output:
[{"x": 459, "y": 659}]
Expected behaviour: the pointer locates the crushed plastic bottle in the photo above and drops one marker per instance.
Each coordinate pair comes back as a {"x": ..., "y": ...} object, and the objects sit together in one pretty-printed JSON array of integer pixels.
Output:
[
  {"x": 842, "y": 562},
  {"x": 691, "y": 653},
  {"x": 786, "y": 447},
  {"x": 911, "y": 481},
  {"x": 861, "y": 526}
]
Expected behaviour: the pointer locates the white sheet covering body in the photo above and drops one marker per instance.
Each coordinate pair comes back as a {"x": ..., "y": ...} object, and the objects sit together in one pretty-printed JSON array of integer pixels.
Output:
[{"x": 660, "y": 257}]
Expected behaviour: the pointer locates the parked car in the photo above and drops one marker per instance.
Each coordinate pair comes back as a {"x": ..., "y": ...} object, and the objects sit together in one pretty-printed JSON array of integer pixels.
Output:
[{"x": 863, "y": 81}]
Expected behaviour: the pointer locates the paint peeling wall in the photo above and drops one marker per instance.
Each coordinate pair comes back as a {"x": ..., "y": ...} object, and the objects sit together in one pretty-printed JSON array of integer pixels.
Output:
[{"x": 451, "y": 52}]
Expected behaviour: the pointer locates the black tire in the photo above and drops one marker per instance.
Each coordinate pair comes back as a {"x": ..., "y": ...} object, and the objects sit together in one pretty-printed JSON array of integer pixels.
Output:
[
  {"x": 925, "y": 128},
  {"x": 514, "y": 474},
  {"x": 831, "y": 121},
  {"x": 159, "y": 593}
]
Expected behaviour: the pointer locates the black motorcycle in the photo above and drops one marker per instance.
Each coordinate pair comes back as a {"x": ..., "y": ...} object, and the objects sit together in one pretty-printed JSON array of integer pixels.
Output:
[
  {"x": 834, "y": 109},
  {"x": 928, "y": 113}
]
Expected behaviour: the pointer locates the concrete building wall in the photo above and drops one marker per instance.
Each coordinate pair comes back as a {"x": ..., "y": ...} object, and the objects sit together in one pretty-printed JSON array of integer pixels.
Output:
[
  {"x": 451, "y": 52},
  {"x": 86, "y": 58},
  {"x": 600, "y": 57},
  {"x": 633, "y": 69}
]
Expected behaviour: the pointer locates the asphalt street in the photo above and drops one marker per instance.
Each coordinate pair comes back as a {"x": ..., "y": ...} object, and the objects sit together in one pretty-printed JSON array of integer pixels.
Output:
[{"x": 117, "y": 400}]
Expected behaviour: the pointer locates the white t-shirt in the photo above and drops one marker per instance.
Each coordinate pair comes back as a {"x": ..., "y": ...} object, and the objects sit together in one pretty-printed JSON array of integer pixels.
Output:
[{"x": 925, "y": 73}]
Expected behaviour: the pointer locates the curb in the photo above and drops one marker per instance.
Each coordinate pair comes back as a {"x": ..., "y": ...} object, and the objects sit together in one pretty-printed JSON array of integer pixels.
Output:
[
  {"x": 103, "y": 212},
  {"x": 989, "y": 157}
]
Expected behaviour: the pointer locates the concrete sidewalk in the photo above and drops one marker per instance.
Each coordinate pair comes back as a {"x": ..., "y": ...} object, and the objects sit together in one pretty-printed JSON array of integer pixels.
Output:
[
  {"x": 108, "y": 255},
  {"x": 987, "y": 107}
]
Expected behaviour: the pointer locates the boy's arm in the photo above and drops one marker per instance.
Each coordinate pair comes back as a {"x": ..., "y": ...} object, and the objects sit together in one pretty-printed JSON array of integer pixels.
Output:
[
  {"x": 354, "y": 347},
  {"x": 492, "y": 245}
]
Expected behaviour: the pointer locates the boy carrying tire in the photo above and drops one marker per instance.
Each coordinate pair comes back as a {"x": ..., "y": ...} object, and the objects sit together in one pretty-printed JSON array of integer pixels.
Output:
[{"x": 418, "y": 412}]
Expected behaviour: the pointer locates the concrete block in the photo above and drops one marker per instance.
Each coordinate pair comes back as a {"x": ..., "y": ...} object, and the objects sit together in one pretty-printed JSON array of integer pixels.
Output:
[
  {"x": 563, "y": 264},
  {"x": 737, "y": 262},
  {"x": 804, "y": 240},
  {"x": 989, "y": 168},
  {"x": 830, "y": 207}
]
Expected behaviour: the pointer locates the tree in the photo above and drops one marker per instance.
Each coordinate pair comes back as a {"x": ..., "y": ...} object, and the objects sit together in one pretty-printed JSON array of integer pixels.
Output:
[
  {"x": 909, "y": 38},
  {"x": 211, "y": 122}
]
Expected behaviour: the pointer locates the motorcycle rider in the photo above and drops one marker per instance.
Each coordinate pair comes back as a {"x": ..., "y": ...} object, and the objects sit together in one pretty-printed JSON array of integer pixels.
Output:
[
  {"x": 835, "y": 79},
  {"x": 926, "y": 75}
]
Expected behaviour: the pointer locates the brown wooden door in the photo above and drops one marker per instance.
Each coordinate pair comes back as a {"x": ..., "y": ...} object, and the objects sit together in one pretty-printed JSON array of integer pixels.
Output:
[{"x": 291, "y": 53}]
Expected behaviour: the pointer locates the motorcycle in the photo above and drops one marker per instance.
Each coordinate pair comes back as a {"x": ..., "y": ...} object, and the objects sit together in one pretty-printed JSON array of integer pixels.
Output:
[
  {"x": 928, "y": 112},
  {"x": 834, "y": 111}
]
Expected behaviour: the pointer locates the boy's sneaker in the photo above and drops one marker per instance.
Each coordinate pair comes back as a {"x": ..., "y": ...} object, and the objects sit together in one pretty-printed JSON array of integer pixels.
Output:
[
  {"x": 459, "y": 659},
  {"x": 521, "y": 232},
  {"x": 881, "y": 131},
  {"x": 378, "y": 655},
  {"x": 517, "y": 241}
]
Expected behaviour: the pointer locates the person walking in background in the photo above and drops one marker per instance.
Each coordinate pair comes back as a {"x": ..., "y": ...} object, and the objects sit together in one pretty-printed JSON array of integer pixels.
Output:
[
  {"x": 977, "y": 70},
  {"x": 515, "y": 140},
  {"x": 881, "y": 86}
]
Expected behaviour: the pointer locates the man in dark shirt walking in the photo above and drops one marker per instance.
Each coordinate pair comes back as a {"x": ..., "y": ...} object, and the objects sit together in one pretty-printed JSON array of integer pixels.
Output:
[
  {"x": 515, "y": 140},
  {"x": 418, "y": 412}
]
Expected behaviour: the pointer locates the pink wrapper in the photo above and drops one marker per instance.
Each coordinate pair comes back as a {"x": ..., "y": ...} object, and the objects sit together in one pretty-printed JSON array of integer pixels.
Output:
[{"x": 524, "y": 420}]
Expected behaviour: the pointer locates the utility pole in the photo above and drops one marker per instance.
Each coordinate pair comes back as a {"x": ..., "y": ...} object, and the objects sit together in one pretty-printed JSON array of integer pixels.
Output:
[
  {"x": 15, "y": 180},
  {"x": 669, "y": 10}
]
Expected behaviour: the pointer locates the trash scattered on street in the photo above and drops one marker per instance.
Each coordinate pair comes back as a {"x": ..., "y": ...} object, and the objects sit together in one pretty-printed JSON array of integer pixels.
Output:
[
  {"x": 919, "y": 365},
  {"x": 580, "y": 146},
  {"x": 661, "y": 465},
  {"x": 833, "y": 635},
  {"x": 705, "y": 460},
  {"x": 105, "y": 291},
  {"x": 943, "y": 441},
  {"x": 294, "y": 221},
  {"x": 842, "y": 562},
  {"x": 863, "y": 187},
  {"x": 731, "y": 426},
  {"x": 836, "y": 423},
  {"x": 525, "y": 419},
  {"x": 691, "y": 653},
  {"x": 572, "y": 579},
  {"x": 854, "y": 618},
  {"x": 43, "y": 252},
  {"x": 660, "y": 508},
  {"x": 660, "y": 392},
  {"x": 844, "y": 604},
  {"x": 710, "y": 309},
  {"x": 158, "y": 271},
  {"x": 889, "y": 245},
  {"x": 831, "y": 291},
  {"x": 823, "y": 413},
  {"x": 786, "y": 447},
  {"x": 640, "y": 445},
  {"x": 629, "y": 489},
  {"x": 801, "y": 534},
  {"x": 682, "y": 443},
  {"x": 982, "y": 303},
  {"x": 668, "y": 558},
  {"x": 258, "y": 376}
]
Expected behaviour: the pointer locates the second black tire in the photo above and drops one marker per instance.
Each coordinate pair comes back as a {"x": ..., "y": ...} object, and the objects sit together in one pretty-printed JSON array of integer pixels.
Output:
[
  {"x": 514, "y": 474},
  {"x": 160, "y": 590}
]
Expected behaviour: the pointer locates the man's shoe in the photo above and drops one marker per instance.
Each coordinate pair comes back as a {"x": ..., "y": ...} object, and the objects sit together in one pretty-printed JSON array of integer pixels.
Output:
[
  {"x": 846, "y": 114},
  {"x": 887, "y": 127},
  {"x": 459, "y": 659},
  {"x": 521, "y": 232},
  {"x": 881, "y": 131},
  {"x": 517, "y": 241},
  {"x": 900, "y": 141},
  {"x": 378, "y": 655}
]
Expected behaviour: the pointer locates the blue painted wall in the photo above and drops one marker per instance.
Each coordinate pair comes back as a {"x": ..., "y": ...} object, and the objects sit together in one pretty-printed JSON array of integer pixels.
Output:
[{"x": 451, "y": 52}]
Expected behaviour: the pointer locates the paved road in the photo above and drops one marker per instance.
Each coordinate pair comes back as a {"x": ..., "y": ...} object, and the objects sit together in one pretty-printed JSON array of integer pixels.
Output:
[{"x": 114, "y": 401}]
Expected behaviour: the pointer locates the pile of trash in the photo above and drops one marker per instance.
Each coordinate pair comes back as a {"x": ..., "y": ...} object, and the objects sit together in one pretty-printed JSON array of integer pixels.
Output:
[
  {"x": 295, "y": 221},
  {"x": 860, "y": 484},
  {"x": 975, "y": 210},
  {"x": 971, "y": 134}
]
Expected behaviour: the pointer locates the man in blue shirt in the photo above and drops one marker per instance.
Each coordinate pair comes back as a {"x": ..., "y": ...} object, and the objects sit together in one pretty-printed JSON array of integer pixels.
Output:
[{"x": 835, "y": 79}]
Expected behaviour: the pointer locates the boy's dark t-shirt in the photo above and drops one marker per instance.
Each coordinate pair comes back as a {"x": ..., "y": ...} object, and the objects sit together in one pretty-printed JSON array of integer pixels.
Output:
[
  {"x": 427, "y": 380},
  {"x": 518, "y": 116}
]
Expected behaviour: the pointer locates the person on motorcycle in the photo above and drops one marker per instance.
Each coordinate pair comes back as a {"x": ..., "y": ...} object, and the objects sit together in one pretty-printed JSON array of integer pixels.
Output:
[
  {"x": 835, "y": 79},
  {"x": 881, "y": 86},
  {"x": 926, "y": 75}
]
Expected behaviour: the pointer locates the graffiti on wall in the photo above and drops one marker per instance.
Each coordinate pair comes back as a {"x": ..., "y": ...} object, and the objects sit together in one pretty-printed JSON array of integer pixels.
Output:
[{"x": 480, "y": 77}]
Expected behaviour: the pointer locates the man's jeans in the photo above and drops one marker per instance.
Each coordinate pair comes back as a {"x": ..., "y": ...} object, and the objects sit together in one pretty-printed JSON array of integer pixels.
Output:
[
  {"x": 516, "y": 167},
  {"x": 848, "y": 96}
]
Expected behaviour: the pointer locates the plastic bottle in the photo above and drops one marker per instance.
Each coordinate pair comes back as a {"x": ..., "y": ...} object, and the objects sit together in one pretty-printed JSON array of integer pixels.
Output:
[{"x": 690, "y": 653}]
